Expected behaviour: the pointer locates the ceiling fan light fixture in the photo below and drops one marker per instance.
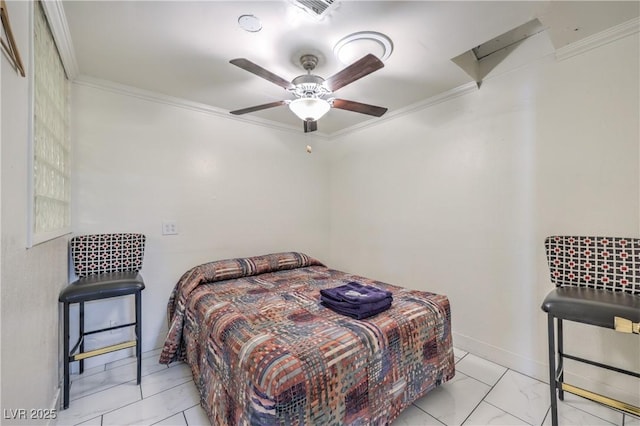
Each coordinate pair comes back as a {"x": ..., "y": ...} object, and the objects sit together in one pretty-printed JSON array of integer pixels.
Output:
[{"x": 309, "y": 109}]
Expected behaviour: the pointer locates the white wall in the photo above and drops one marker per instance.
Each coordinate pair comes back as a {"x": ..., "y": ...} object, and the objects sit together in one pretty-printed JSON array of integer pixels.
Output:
[
  {"x": 458, "y": 199},
  {"x": 31, "y": 278},
  {"x": 234, "y": 189}
]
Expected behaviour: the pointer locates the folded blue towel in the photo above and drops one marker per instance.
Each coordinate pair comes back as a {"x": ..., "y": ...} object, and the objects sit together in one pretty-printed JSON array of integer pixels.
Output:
[
  {"x": 356, "y": 300},
  {"x": 361, "y": 311},
  {"x": 337, "y": 304},
  {"x": 355, "y": 293}
]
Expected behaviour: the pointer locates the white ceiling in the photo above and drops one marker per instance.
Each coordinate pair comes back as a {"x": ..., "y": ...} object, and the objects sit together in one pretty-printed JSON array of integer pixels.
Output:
[{"x": 182, "y": 48}]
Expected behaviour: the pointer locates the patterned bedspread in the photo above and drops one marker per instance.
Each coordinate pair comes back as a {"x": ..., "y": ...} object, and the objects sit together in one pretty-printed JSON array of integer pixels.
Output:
[{"x": 263, "y": 351}]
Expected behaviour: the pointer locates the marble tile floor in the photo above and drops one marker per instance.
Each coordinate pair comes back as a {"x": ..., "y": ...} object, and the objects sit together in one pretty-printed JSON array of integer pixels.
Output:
[{"x": 481, "y": 393}]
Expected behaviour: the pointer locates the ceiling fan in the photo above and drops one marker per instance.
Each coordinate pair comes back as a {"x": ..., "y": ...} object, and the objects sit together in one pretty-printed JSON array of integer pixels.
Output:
[{"x": 313, "y": 93}]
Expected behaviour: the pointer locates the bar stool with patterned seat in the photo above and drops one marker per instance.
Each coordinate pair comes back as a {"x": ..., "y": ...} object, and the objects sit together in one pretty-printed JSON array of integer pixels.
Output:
[
  {"x": 107, "y": 265},
  {"x": 597, "y": 283}
]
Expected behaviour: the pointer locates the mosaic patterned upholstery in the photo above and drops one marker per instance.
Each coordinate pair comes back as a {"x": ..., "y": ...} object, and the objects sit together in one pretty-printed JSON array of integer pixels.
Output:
[
  {"x": 104, "y": 253},
  {"x": 263, "y": 350},
  {"x": 608, "y": 263}
]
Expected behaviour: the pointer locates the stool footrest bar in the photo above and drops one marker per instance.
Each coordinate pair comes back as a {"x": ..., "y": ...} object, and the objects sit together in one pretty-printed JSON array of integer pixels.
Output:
[
  {"x": 610, "y": 402},
  {"x": 104, "y": 350},
  {"x": 115, "y": 327},
  {"x": 599, "y": 364}
]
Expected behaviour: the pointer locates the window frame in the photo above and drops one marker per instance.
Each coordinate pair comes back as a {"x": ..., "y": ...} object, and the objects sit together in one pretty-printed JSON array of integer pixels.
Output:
[{"x": 34, "y": 238}]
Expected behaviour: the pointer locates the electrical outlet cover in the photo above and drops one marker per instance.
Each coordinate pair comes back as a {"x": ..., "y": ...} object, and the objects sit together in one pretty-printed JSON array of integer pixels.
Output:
[{"x": 169, "y": 227}]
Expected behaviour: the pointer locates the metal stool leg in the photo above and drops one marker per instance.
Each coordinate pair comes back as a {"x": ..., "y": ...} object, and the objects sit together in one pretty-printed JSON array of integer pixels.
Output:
[
  {"x": 81, "y": 336},
  {"x": 65, "y": 390},
  {"x": 552, "y": 370},
  {"x": 560, "y": 351},
  {"x": 139, "y": 333}
]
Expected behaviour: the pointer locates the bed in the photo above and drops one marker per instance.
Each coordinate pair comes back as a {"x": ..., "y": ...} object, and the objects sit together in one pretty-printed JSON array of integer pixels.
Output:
[{"x": 264, "y": 351}]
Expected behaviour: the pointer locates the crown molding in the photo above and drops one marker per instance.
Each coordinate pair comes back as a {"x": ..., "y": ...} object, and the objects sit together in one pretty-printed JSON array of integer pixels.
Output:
[
  {"x": 600, "y": 39},
  {"x": 424, "y": 104},
  {"x": 54, "y": 11},
  {"x": 160, "y": 98},
  {"x": 151, "y": 96}
]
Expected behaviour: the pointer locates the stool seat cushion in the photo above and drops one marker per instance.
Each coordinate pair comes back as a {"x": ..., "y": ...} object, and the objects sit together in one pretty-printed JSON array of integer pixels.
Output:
[
  {"x": 102, "y": 286},
  {"x": 592, "y": 306}
]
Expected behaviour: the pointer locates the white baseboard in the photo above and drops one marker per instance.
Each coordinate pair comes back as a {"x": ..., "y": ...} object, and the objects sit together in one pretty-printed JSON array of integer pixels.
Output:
[
  {"x": 502, "y": 357},
  {"x": 538, "y": 370}
]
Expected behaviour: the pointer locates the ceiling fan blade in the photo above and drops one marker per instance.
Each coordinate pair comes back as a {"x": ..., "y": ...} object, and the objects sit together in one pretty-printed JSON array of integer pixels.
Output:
[
  {"x": 258, "y": 107},
  {"x": 363, "y": 66},
  {"x": 310, "y": 126},
  {"x": 256, "y": 69},
  {"x": 359, "y": 107}
]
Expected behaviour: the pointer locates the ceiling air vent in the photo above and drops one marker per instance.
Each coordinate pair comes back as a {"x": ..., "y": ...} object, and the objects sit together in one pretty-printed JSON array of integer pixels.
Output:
[{"x": 316, "y": 8}]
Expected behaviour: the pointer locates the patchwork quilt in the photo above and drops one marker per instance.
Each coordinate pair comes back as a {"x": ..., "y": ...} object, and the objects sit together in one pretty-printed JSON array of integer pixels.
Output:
[{"x": 264, "y": 351}]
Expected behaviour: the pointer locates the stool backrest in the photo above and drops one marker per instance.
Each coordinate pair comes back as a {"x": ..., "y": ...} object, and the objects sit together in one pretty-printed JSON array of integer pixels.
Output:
[
  {"x": 607, "y": 263},
  {"x": 104, "y": 253}
]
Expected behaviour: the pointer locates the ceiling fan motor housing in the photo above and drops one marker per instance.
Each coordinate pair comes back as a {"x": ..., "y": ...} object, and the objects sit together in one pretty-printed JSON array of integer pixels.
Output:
[{"x": 309, "y": 86}]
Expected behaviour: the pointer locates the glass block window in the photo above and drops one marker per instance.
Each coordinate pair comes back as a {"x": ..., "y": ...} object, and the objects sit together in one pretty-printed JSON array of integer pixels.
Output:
[{"x": 51, "y": 146}]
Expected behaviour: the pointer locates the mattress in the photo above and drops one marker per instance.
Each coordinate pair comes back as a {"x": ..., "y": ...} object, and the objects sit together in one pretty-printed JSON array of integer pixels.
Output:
[{"x": 264, "y": 351}]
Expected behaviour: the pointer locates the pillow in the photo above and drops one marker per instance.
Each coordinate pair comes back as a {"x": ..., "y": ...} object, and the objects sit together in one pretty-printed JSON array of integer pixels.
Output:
[{"x": 245, "y": 267}]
